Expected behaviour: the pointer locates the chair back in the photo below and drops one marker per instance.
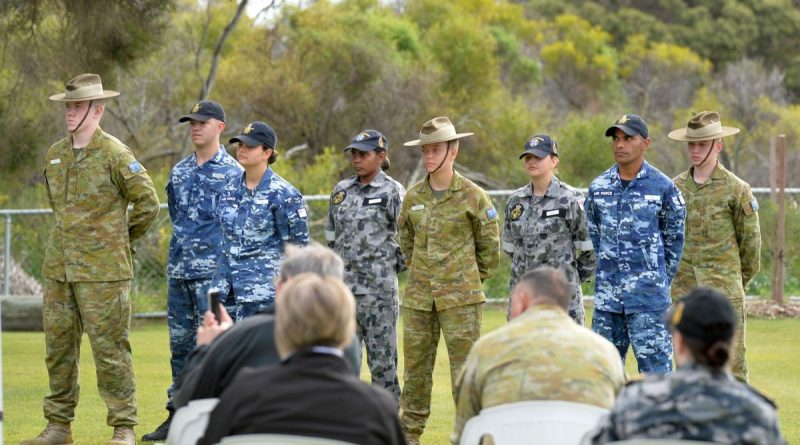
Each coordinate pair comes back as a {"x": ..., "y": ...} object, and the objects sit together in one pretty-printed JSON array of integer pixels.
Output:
[
  {"x": 189, "y": 423},
  {"x": 278, "y": 439},
  {"x": 543, "y": 422}
]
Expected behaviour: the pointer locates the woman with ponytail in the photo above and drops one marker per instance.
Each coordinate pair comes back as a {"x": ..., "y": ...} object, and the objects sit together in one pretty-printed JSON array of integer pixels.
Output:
[
  {"x": 701, "y": 401},
  {"x": 362, "y": 228}
]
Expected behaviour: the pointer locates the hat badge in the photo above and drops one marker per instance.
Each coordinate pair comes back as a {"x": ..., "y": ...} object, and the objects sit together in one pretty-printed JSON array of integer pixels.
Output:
[
  {"x": 248, "y": 129},
  {"x": 535, "y": 141},
  {"x": 196, "y": 108},
  {"x": 622, "y": 119},
  {"x": 678, "y": 314},
  {"x": 362, "y": 136}
]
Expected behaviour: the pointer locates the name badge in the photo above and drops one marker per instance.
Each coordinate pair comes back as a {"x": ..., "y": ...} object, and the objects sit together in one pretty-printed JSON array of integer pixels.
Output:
[
  {"x": 375, "y": 201},
  {"x": 417, "y": 207},
  {"x": 262, "y": 201},
  {"x": 218, "y": 175},
  {"x": 55, "y": 161},
  {"x": 554, "y": 213},
  {"x": 652, "y": 197}
]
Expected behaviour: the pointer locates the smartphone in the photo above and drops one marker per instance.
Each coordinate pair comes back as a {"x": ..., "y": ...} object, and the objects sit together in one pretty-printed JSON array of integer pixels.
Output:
[{"x": 213, "y": 304}]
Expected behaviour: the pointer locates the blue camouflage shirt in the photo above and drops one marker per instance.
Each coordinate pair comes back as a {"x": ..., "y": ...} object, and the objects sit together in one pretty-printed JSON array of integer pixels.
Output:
[
  {"x": 192, "y": 193},
  {"x": 256, "y": 224},
  {"x": 637, "y": 233}
]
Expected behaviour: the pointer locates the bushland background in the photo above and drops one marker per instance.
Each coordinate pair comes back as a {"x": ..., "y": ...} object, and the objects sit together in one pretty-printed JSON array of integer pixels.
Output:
[{"x": 321, "y": 71}]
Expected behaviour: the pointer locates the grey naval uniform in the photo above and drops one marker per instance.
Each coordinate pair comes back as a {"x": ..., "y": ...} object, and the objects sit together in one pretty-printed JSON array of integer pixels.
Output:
[
  {"x": 550, "y": 230},
  {"x": 694, "y": 404},
  {"x": 362, "y": 229}
]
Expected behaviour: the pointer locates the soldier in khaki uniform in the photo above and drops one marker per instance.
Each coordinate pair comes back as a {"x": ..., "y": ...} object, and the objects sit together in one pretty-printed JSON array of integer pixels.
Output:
[
  {"x": 723, "y": 239},
  {"x": 449, "y": 237},
  {"x": 540, "y": 355},
  {"x": 91, "y": 177}
]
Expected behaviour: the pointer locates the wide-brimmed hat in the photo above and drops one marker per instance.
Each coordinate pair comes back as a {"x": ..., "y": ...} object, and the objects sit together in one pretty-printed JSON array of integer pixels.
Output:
[
  {"x": 703, "y": 126},
  {"x": 438, "y": 129},
  {"x": 84, "y": 87}
]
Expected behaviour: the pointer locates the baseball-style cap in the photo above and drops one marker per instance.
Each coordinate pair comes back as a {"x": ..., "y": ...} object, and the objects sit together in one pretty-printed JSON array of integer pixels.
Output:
[
  {"x": 203, "y": 111},
  {"x": 630, "y": 124},
  {"x": 541, "y": 146},
  {"x": 369, "y": 140},
  {"x": 257, "y": 133},
  {"x": 703, "y": 314}
]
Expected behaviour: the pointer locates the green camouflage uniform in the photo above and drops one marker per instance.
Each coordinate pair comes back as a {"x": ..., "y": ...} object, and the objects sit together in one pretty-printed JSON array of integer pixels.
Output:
[
  {"x": 723, "y": 244},
  {"x": 540, "y": 355},
  {"x": 451, "y": 245},
  {"x": 88, "y": 268}
]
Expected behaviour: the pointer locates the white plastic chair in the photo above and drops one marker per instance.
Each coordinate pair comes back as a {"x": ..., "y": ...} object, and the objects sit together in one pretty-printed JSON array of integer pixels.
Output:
[
  {"x": 278, "y": 439},
  {"x": 541, "y": 422},
  {"x": 190, "y": 422}
]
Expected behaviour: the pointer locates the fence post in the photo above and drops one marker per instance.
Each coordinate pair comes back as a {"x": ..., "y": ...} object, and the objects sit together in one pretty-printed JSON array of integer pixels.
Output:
[
  {"x": 7, "y": 261},
  {"x": 780, "y": 248}
]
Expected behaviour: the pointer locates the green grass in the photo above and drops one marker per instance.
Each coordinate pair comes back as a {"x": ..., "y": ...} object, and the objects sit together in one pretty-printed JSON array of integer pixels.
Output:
[{"x": 773, "y": 355}]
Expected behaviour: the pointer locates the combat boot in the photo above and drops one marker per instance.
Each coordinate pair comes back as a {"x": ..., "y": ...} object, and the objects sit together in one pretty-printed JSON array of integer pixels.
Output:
[
  {"x": 161, "y": 432},
  {"x": 123, "y": 435},
  {"x": 53, "y": 434}
]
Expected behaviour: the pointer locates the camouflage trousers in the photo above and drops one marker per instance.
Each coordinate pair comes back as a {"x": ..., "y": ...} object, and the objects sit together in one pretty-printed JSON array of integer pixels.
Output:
[
  {"x": 646, "y": 331},
  {"x": 103, "y": 311},
  {"x": 186, "y": 304},
  {"x": 461, "y": 327},
  {"x": 376, "y": 317}
]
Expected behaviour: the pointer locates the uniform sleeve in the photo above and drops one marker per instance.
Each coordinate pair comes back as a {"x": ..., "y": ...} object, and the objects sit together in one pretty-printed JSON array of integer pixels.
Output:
[
  {"x": 671, "y": 225},
  {"x": 581, "y": 240},
  {"x": 330, "y": 223},
  {"x": 748, "y": 235},
  {"x": 395, "y": 205},
  {"x": 291, "y": 219},
  {"x": 508, "y": 239},
  {"x": 468, "y": 398},
  {"x": 592, "y": 219},
  {"x": 405, "y": 231},
  {"x": 137, "y": 187},
  {"x": 487, "y": 238},
  {"x": 172, "y": 206}
]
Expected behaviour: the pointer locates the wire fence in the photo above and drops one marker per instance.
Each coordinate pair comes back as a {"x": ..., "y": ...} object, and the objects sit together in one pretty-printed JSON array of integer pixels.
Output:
[{"x": 26, "y": 232}]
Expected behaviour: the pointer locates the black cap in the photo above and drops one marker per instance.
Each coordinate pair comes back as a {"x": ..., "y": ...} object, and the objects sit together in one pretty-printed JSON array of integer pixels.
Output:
[
  {"x": 630, "y": 124},
  {"x": 703, "y": 314},
  {"x": 369, "y": 140},
  {"x": 257, "y": 133},
  {"x": 541, "y": 146},
  {"x": 205, "y": 110}
]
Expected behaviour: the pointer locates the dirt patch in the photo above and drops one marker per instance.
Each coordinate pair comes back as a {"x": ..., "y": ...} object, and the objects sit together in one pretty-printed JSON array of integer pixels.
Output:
[{"x": 770, "y": 309}]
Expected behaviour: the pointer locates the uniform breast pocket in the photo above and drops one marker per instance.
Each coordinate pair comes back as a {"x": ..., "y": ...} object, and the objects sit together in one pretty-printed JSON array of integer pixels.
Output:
[
  {"x": 373, "y": 211},
  {"x": 552, "y": 224},
  {"x": 260, "y": 225},
  {"x": 646, "y": 211},
  {"x": 419, "y": 220}
]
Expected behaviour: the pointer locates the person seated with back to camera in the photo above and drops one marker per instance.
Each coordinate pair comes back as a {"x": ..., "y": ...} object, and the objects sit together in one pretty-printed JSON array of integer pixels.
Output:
[
  {"x": 701, "y": 401},
  {"x": 313, "y": 392}
]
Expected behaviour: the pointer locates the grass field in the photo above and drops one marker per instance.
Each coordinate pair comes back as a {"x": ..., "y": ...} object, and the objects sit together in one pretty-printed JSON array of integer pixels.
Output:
[{"x": 773, "y": 354}]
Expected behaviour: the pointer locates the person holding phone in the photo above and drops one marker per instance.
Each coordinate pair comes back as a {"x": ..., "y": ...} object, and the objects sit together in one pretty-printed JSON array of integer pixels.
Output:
[
  {"x": 259, "y": 213},
  {"x": 362, "y": 229}
]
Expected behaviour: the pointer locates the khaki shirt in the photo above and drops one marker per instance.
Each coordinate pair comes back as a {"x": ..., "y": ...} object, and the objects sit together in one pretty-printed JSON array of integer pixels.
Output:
[
  {"x": 451, "y": 245},
  {"x": 89, "y": 195},
  {"x": 723, "y": 238},
  {"x": 540, "y": 355}
]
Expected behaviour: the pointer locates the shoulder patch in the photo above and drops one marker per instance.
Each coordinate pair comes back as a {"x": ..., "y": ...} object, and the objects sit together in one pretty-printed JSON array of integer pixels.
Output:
[
  {"x": 135, "y": 167},
  {"x": 301, "y": 212},
  {"x": 754, "y": 204},
  {"x": 516, "y": 212},
  {"x": 339, "y": 197},
  {"x": 491, "y": 214}
]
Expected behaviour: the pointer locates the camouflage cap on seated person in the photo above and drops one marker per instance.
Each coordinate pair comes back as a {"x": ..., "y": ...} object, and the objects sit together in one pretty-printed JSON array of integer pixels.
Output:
[{"x": 704, "y": 314}]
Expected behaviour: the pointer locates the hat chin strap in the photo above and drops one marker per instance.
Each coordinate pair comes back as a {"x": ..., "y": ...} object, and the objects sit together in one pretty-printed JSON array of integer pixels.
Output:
[
  {"x": 85, "y": 115},
  {"x": 447, "y": 152},
  {"x": 713, "y": 141}
]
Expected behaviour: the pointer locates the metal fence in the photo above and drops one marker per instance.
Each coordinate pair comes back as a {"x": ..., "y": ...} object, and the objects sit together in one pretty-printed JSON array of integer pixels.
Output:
[{"x": 26, "y": 232}]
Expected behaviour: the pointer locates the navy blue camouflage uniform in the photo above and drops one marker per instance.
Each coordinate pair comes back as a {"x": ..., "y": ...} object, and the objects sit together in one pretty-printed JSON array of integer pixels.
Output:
[
  {"x": 192, "y": 194},
  {"x": 362, "y": 229},
  {"x": 256, "y": 224},
  {"x": 637, "y": 233}
]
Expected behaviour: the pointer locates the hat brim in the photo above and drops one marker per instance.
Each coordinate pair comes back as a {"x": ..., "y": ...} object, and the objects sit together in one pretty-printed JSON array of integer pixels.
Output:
[
  {"x": 62, "y": 97},
  {"x": 246, "y": 140},
  {"x": 625, "y": 129},
  {"x": 361, "y": 147},
  {"x": 420, "y": 142},
  {"x": 680, "y": 135},
  {"x": 539, "y": 153},
  {"x": 195, "y": 117}
]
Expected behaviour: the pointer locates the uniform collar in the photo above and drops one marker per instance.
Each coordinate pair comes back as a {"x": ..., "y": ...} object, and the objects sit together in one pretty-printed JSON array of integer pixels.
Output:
[
  {"x": 719, "y": 175},
  {"x": 551, "y": 192},
  {"x": 643, "y": 172},
  {"x": 263, "y": 184},
  {"x": 377, "y": 181},
  {"x": 456, "y": 184},
  {"x": 544, "y": 311},
  {"x": 219, "y": 155}
]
